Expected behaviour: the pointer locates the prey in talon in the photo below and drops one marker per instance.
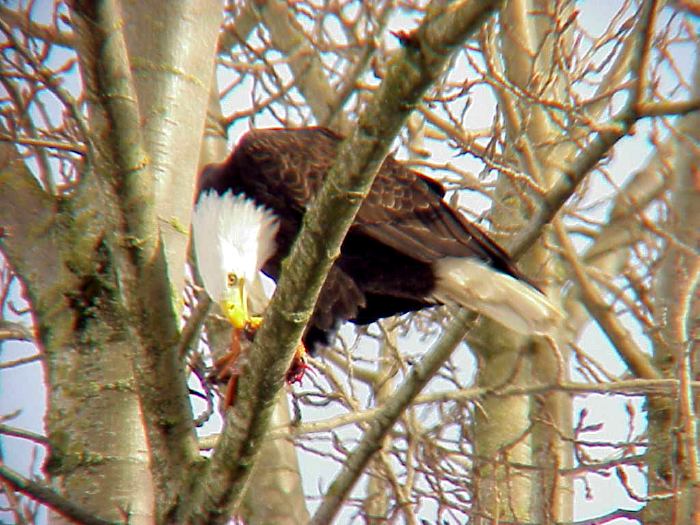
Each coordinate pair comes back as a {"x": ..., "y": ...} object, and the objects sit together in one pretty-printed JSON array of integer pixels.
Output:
[{"x": 244, "y": 328}]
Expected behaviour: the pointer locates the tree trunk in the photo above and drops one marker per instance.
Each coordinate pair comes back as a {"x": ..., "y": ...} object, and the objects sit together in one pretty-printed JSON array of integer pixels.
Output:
[{"x": 673, "y": 454}]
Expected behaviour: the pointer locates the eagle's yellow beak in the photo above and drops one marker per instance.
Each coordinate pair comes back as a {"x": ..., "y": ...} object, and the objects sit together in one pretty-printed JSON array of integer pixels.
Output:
[{"x": 235, "y": 305}]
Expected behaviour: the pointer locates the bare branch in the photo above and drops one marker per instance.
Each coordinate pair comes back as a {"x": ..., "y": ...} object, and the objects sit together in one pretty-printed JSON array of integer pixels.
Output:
[
  {"x": 309, "y": 76},
  {"x": 21, "y": 361},
  {"x": 26, "y": 212},
  {"x": 194, "y": 323},
  {"x": 23, "y": 434},
  {"x": 626, "y": 387},
  {"x": 34, "y": 29},
  {"x": 409, "y": 75},
  {"x": 44, "y": 143},
  {"x": 16, "y": 331},
  {"x": 384, "y": 418},
  {"x": 236, "y": 32},
  {"x": 622, "y": 340},
  {"x": 607, "y": 136},
  {"x": 47, "y": 496},
  {"x": 668, "y": 109}
]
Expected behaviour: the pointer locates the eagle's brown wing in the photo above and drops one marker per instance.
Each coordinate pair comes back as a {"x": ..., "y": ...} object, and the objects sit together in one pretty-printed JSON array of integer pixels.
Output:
[
  {"x": 404, "y": 208},
  {"x": 404, "y": 218}
]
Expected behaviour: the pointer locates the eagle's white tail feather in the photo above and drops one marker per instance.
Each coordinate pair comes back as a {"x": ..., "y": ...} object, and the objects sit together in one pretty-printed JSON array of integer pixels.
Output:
[{"x": 513, "y": 303}]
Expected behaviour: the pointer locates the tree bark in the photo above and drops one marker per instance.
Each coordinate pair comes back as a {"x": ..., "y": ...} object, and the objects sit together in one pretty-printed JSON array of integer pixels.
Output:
[
  {"x": 412, "y": 72},
  {"x": 673, "y": 455},
  {"x": 525, "y": 430},
  {"x": 275, "y": 493},
  {"x": 117, "y": 368}
]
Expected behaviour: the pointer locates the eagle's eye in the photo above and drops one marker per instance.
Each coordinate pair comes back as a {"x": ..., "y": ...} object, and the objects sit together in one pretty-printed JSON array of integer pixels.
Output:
[{"x": 232, "y": 279}]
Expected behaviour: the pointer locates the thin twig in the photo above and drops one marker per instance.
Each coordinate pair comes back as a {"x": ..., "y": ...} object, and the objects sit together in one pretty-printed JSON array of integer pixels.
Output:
[
  {"x": 627, "y": 387},
  {"x": 385, "y": 417},
  {"x": 21, "y": 361},
  {"x": 608, "y": 135},
  {"x": 194, "y": 323},
  {"x": 47, "y": 496},
  {"x": 412, "y": 72},
  {"x": 33, "y": 29},
  {"x": 7, "y": 430},
  {"x": 45, "y": 143}
]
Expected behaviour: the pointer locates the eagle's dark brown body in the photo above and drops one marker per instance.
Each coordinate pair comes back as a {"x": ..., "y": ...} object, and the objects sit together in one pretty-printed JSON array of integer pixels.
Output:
[{"x": 386, "y": 262}]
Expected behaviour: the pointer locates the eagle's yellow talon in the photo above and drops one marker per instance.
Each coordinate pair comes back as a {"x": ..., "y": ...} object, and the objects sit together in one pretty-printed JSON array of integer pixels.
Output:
[{"x": 253, "y": 323}]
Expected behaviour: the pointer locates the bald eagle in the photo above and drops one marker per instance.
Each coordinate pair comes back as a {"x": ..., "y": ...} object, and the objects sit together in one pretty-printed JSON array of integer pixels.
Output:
[{"x": 407, "y": 248}]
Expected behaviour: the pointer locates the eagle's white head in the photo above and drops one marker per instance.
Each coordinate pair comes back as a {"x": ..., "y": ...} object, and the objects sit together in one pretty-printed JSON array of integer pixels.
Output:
[{"x": 233, "y": 238}]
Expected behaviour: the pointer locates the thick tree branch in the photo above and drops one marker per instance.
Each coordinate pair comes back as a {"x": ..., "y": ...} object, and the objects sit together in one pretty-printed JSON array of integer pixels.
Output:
[
  {"x": 55, "y": 246},
  {"x": 110, "y": 85},
  {"x": 47, "y": 496},
  {"x": 626, "y": 387},
  {"x": 277, "y": 478},
  {"x": 409, "y": 75},
  {"x": 684, "y": 320},
  {"x": 638, "y": 362},
  {"x": 27, "y": 213},
  {"x": 608, "y": 134},
  {"x": 136, "y": 141},
  {"x": 171, "y": 81},
  {"x": 13, "y": 330},
  {"x": 669, "y": 108},
  {"x": 309, "y": 74},
  {"x": 676, "y": 312},
  {"x": 385, "y": 418}
]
